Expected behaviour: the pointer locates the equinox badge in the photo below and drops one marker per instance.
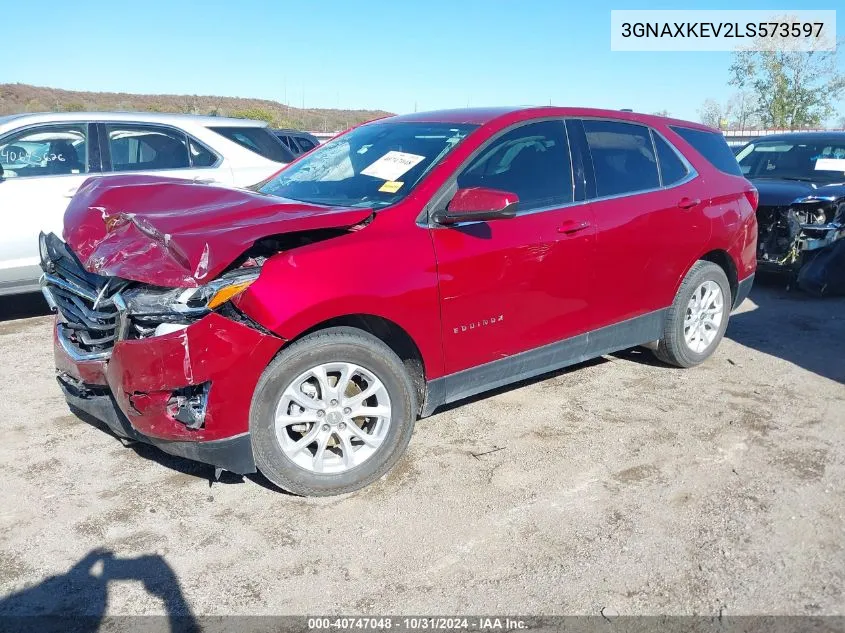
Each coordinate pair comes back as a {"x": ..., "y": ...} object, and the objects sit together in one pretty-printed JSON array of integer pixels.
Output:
[{"x": 478, "y": 324}]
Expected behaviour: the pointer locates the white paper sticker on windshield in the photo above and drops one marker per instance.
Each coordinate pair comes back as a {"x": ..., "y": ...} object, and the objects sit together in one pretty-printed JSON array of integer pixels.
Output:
[
  {"x": 392, "y": 165},
  {"x": 830, "y": 164}
]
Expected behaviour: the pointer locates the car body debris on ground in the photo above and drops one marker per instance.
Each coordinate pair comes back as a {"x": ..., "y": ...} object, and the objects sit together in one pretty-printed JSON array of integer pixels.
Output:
[{"x": 616, "y": 486}]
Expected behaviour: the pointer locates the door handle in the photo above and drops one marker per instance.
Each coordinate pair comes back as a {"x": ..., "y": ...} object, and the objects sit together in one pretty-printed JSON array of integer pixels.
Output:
[
  {"x": 70, "y": 193},
  {"x": 688, "y": 203},
  {"x": 571, "y": 227},
  {"x": 204, "y": 181}
]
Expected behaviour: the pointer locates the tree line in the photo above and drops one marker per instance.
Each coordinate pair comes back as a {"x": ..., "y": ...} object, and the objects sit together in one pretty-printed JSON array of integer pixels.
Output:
[
  {"x": 779, "y": 88},
  {"x": 19, "y": 97}
]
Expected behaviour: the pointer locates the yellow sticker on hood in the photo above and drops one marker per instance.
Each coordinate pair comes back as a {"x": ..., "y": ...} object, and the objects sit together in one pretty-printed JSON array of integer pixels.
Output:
[{"x": 391, "y": 186}]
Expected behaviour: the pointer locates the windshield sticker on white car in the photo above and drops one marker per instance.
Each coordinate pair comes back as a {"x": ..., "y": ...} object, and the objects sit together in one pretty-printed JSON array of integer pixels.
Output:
[
  {"x": 830, "y": 164},
  {"x": 392, "y": 165}
]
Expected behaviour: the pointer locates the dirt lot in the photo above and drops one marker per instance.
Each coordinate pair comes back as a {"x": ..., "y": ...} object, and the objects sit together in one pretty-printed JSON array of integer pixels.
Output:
[{"x": 619, "y": 485}]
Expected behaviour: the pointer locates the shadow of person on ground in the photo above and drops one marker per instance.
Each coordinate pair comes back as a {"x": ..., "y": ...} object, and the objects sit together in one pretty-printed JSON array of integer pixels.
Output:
[
  {"x": 78, "y": 599},
  {"x": 793, "y": 326}
]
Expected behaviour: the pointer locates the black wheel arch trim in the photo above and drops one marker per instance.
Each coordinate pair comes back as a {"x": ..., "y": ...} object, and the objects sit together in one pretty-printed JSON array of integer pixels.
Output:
[{"x": 743, "y": 289}]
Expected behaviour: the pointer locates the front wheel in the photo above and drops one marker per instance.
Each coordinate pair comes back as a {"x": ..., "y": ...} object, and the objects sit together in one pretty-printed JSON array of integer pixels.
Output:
[
  {"x": 698, "y": 317},
  {"x": 332, "y": 413}
]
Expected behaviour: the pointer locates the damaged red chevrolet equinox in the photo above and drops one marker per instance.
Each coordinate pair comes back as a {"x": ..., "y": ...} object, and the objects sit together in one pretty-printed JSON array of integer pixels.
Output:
[{"x": 301, "y": 327}]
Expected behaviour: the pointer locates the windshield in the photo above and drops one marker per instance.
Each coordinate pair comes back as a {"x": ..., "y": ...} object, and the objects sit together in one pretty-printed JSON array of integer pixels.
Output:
[
  {"x": 813, "y": 161},
  {"x": 372, "y": 166}
]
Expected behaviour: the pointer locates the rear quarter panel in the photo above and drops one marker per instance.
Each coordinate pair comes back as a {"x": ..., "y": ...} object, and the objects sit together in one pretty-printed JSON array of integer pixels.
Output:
[
  {"x": 735, "y": 230},
  {"x": 726, "y": 207}
]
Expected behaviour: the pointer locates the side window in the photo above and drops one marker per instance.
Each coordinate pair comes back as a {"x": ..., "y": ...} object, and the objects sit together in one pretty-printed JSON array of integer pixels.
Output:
[
  {"x": 201, "y": 156},
  {"x": 146, "y": 148},
  {"x": 531, "y": 161},
  {"x": 305, "y": 143},
  {"x": 45, "y": 151},
  {"x": 713, "y": 146},
  {"x": 287, "y": 142},
  {"x": 623, "y": 158},
  {"x": 259, "y": 140},
  {"x": 672, "y": 168}
]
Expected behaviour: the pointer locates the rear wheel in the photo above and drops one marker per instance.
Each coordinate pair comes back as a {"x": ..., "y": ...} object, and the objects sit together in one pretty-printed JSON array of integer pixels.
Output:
[
  {"x": 698, "y": 318},
  {"x": 332, "y": 413}
]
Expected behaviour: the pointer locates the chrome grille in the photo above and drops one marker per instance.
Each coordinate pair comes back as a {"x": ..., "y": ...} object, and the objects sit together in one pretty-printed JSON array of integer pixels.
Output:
[{"x": 90, "y": 307}]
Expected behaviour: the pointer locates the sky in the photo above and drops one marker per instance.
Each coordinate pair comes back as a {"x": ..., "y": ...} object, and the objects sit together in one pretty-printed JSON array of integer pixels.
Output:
[{"x": 396, "y": 56}]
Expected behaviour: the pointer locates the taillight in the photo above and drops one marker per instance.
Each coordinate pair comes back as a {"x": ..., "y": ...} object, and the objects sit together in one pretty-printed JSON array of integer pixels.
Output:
[{"x": 753, "y": 197}]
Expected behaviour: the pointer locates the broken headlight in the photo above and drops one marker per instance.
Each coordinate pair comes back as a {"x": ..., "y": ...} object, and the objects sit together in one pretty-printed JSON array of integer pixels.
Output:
[{"x": 154, "y": 311}]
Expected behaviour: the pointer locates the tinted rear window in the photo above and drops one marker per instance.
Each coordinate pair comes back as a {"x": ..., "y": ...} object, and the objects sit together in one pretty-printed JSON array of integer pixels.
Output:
[
  {"x": 713, "y": 147},
  {"x": 259, "y": 140}
]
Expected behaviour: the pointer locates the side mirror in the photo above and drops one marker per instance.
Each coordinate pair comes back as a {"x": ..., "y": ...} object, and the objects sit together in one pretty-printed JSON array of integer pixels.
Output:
[{"x": 479, "y": 204}]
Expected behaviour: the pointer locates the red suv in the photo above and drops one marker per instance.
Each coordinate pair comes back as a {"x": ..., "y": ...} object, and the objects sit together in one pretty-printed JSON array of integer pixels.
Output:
[{"x": 301, "y": 327}]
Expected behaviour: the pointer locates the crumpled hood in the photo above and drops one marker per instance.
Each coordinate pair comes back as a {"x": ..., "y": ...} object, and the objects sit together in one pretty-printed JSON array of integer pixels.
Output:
[
  {"x": 782, "y": 193},
  {"x": 176, "y": 233}
]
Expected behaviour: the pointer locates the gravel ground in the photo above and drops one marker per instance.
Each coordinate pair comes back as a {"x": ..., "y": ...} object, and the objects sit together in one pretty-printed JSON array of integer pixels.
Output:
[{"x": 618, "y": 485}]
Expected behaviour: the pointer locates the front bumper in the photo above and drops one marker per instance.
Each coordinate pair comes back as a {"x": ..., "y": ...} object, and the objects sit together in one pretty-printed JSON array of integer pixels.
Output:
[
  {"x": 132, "y": 391},
  {"x": 233, "y": 454}
]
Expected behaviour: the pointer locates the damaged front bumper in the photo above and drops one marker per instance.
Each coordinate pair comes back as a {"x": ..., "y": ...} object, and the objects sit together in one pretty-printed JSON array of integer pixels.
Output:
[
  {"x": 174, "y": 374},
  {"x": 187, "y": 392},
  {"x": 807, "y": 238},
  {"x": 233, "y": 454}
]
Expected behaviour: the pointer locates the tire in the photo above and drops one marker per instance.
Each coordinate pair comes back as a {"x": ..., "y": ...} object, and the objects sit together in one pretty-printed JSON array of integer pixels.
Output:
[
  {"x": 294, "y": 379},
  {"x": 674, "y": 348}
]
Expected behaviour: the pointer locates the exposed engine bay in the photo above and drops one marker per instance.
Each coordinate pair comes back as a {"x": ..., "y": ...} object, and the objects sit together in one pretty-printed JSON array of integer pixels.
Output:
[{"x": 787, "y": 234}]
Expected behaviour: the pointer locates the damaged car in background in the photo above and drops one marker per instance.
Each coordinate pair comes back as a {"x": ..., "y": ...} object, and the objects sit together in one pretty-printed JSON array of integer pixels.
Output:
[
  {"x": 302, "y": 326},
  {"x": 801, "y": 215}
]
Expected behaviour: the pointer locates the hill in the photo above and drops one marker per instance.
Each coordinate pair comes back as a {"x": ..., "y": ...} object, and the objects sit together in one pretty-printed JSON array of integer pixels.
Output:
[{"x": 16, "y": 98}]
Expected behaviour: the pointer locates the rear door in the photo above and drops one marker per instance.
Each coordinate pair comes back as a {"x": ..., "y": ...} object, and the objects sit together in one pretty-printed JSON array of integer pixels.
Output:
[
  {"x": 43, "y": 166},
  {"x": 510, "y": 285},
  {"x": 160, "y": 150},
  {"x": 648, "y": 209}
]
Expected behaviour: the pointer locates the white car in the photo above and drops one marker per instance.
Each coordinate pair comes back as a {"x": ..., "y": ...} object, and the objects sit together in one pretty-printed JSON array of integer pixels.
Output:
[{"x": 44, "y": 158}]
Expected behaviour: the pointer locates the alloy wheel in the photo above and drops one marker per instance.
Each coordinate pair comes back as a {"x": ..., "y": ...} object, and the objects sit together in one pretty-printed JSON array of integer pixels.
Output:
[
  {"x": 704, "y": 316},
  {"x": 333, "y": 417}
]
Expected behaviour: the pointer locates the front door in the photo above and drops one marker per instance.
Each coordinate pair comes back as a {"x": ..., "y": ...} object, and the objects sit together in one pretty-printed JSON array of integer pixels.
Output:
[
  {"x": 510, "y": 285},
  {"x": 43, "y": 166}
]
